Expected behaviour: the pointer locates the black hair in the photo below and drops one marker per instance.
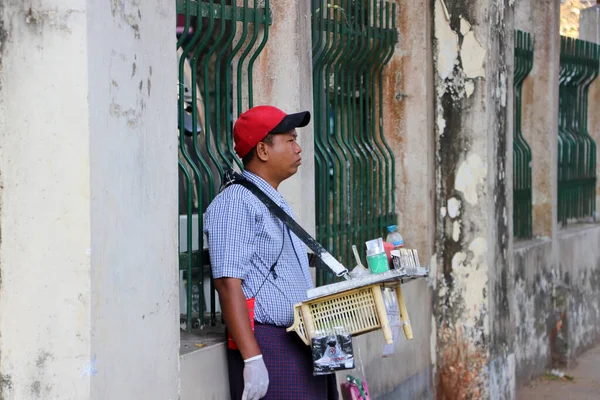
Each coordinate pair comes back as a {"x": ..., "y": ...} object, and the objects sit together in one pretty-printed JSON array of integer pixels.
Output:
[{"x": 248, "y": 157}]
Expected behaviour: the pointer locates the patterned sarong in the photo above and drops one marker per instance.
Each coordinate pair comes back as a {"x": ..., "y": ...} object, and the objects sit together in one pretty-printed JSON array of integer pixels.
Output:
[{"x": 290, "y": 367}]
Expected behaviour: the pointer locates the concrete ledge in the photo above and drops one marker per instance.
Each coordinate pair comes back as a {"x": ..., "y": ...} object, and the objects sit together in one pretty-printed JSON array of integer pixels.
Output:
[
  {"x": 203, "y": 374},
  {"x": 534, "y": 308}
]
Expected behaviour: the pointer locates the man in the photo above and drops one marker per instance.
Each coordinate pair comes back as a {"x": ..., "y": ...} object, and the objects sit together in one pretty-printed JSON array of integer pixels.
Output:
[{"x": 254, "y": 255}]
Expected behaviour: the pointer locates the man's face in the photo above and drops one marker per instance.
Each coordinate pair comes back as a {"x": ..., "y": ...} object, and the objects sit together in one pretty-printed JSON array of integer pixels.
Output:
[{"x": 284, "y": 154}]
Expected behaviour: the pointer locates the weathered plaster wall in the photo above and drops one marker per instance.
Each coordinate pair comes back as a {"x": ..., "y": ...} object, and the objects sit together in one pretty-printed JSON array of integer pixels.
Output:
[
  {"x": 534, "y": 282},
  {"x": 133, "y": 160},
  {"x": 88, "y": 162},
  {"x": 559, "y": 300},
  {"x": 473, "y": 81},
  {"x": 580, "y": 273},
  {"x": 45, "y": 315}
]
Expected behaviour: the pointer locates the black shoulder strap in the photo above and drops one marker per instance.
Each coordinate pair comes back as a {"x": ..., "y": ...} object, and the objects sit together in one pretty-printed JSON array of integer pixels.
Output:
[{"x": 232, "y": 177}]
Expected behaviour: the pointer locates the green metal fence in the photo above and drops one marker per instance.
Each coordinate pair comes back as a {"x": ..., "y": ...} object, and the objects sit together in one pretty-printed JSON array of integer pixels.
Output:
[
  {"x": 576, "y": 149},
  {"x": 354, "y": 166},
  {"x": 218, "y": 44},
  {"x": 522, "y": 214}
]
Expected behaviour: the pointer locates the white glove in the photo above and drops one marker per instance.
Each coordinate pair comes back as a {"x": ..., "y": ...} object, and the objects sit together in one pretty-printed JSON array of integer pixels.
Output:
[{"x": 256, "y": 378}]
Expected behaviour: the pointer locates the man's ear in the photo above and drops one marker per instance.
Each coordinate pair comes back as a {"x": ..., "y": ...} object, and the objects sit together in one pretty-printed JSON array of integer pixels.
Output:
[{"x": 262, "y": 151}]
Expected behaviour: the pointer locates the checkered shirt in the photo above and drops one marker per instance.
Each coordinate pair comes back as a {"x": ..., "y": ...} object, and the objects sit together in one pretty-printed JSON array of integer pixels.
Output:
[{"x": 244, "y": 240}]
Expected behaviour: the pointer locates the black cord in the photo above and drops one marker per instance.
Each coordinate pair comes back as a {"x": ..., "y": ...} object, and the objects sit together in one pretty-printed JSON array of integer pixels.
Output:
[{"x": 272, "y": 269}]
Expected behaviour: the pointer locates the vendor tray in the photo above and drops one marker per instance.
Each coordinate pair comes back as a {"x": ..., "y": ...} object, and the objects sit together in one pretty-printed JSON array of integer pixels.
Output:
[{"x": 355, "y": 305}]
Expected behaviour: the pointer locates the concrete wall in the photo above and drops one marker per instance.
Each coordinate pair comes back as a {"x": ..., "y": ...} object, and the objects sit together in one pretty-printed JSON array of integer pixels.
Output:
[
  {"x": 132, "y": 66},
  {"x": 558, "y": 316},
  {"x": 579, "y": 264},
  {"x": 88, "y": 295},
  {"x": 204, "y": 374},
  {"x": 533, "y": 293}
]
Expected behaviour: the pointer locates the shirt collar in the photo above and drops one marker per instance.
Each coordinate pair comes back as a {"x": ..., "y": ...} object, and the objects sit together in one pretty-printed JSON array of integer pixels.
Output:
[{"x": 265, "y": 187}]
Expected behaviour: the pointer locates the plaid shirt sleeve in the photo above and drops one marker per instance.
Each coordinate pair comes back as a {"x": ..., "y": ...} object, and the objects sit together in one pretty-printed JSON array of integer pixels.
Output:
[{"x": 229, "y": 229}]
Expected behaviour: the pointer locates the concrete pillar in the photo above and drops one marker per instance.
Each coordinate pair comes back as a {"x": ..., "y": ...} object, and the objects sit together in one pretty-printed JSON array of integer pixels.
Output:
[
  {"x": 88, "y": 194},
  {"x": 540, "y": 109},
  {"x": 283, "y": 78},
  {"x": 589, "y": 24},
  {"x": 408, "y": 122},
  {"x": 473, "y": 73},
  {"x": 589, "y": 29}
]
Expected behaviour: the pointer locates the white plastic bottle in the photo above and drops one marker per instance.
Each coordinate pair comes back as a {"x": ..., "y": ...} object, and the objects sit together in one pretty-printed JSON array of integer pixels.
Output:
[{"x": 394, "y": 237}]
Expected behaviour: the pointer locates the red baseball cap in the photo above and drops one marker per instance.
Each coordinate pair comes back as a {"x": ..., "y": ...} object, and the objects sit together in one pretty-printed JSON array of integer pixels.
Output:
[{"x": 255, "y": 124}]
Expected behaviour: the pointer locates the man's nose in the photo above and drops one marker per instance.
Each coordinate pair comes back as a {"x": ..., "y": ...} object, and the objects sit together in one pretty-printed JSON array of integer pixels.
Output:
[{"x": 298, "y": 148}]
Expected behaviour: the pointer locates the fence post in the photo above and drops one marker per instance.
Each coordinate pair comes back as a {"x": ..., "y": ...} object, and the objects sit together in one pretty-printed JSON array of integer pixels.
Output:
[
  {"x": 474, "y": 297},
  {"x": 540, "y": 111},
  {"x": 283, "y": 78},
  {"x": 589, "y": 30}
]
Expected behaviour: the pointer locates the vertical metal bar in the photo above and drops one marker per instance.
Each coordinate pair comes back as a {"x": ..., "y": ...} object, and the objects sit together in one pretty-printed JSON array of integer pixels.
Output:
[
  {"x": 317, "y": 33},
  {"x": 182, "y": 145},
  {"x": 206, "y": 55},
  {"x": 346, "y": 69},
  {"x": 245, "y": 54},
  {"x": 228, "y": 80},
  {"x": 205, "y": 44},
  {"x": 390, "y": 167},
  {"x": 328, "y": 152},
  {"x": 258, "y": 49},
  {"x": 241, "y": 59},
  {"x": 579, "y": 60},
  {"x": 522, "y": 215},
  {"x": 354, "y": 120},
  {"x": 222, "y": 89}
]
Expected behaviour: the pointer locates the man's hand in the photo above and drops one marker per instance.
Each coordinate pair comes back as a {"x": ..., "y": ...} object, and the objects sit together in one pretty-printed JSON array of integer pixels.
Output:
[{"x": 256, "y": 378}]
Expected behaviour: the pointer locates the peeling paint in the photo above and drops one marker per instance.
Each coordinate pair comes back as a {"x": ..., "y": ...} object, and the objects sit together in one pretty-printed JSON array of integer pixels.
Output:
[
  {"x": 454, "y": 207},
  {"x": 433, "y": 268},
  {"x": 473, "y": 56},
  {"x": 447, "y": 42},
  {"x": 440, "y": 121},
  {"x": 433, "y": 343},
  {"x": 469, "y": 88},
  {"x": 465, "y": 27},
  {"x": 456, "y": 231},
  {"x": 475, "y": 275},
  {"x": 471, "y": 173}
]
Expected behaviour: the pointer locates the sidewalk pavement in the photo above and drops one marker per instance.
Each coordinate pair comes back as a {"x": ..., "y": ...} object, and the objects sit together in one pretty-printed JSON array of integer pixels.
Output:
[{"x": 584, "y": 386}]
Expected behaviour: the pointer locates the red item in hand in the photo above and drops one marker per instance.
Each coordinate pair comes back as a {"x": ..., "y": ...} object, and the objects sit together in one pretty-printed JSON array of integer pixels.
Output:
[{"x": 250, "y": 305}]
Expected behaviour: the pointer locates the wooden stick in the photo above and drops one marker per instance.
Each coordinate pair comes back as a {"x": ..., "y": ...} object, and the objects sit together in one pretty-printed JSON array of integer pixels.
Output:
[{"x": 404, "y": 314}]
